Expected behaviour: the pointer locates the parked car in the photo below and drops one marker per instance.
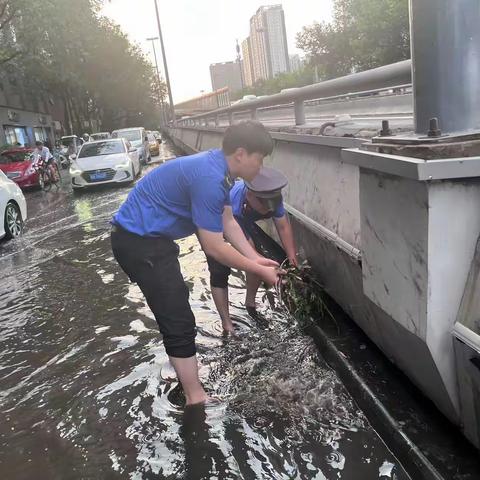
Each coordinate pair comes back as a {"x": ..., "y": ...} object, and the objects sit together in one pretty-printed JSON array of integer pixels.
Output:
[
  {"x": 100, "y": 136},
  {"x": 72, "y": 143},
  {"x": 13, "y": 208},
  {"x": 105, "y": 161},
  {"x": 138, "y": 138},
  {"x": 157, "y": 135},
  {"x": 153, "y": 145},
  {"x": 17, "y": 164}
]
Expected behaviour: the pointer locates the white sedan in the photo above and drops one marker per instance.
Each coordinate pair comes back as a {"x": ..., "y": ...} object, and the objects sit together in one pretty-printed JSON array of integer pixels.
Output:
[
  {"x": 13, "y": 208},
  {"x": 104, "y": 161}
]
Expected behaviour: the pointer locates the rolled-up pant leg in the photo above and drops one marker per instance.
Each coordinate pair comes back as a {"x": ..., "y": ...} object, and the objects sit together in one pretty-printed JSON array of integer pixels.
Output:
[
  {"x": 218, "y": 273},
  {"x": 153, "y": 264}
]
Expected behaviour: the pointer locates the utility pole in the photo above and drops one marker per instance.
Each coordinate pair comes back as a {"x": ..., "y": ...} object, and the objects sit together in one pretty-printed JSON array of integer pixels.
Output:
[
  {"x": 160, "y": 97},
  {"x": 239, "y": 60},
  {"x": 165, "y": 67}
]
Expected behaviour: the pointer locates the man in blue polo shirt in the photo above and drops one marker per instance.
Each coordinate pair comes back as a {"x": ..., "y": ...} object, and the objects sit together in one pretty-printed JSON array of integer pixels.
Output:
[
  {"x": 251, "y": 201},
  {"x": 181, "y": 197}
]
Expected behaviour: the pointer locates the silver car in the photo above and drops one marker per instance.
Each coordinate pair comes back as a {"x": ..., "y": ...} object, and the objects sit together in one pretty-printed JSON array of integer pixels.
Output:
[{"x": 138, "y": 138}]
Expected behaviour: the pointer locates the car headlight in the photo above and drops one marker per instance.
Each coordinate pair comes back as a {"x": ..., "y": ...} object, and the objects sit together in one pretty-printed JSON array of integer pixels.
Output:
[
  {"x": 123, "y": 166},
  {"x": 74, "y": 169}
]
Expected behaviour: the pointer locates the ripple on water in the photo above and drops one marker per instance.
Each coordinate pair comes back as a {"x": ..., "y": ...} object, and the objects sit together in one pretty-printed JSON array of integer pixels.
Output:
[{"x": 87, "y": 390}]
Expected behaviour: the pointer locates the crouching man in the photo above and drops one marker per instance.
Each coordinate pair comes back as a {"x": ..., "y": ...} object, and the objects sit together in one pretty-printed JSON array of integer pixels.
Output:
[
  {"x": 252, "y": 200},
  {"x": 177, "y": 199}
]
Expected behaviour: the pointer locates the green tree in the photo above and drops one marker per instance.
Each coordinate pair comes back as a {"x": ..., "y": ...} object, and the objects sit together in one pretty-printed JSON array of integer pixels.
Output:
[
  {"x": 66, "y": 49},
  {"x": 363, "y": 34}
]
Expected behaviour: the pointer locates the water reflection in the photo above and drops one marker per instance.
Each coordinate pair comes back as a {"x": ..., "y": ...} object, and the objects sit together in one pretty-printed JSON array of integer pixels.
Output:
[{"x": 86, "y": 390}]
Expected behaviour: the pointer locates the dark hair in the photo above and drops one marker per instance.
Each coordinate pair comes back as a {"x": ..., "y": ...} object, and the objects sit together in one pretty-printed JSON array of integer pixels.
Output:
[
  {"x": 250, "y": 135},
  {"x": 38, "y": 143}
]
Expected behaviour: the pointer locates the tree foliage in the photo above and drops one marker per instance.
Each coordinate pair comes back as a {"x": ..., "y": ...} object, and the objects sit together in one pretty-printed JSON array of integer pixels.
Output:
[
  {"x": 66, "y": 49},
  {"x": 364, "y": 34}
]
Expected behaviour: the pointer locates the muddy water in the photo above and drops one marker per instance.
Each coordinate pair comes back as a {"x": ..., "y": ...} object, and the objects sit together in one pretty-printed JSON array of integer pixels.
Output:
[{"x": 86, "y": 391}]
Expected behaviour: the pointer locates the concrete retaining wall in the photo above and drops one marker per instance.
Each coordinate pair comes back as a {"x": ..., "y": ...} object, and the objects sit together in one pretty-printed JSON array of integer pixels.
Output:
[{"x": 394, "y": 252}]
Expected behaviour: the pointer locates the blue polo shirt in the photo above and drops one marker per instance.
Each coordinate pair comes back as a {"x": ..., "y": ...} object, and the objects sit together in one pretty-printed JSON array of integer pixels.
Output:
[
  {"x": 237, "y": 200},
  {"x": 179, "y": 196}
]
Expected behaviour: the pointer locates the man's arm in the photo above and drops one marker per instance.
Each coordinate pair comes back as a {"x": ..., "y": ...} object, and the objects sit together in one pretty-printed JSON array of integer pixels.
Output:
[
  {"x": 285, "y": 233},
  {"x": 234, "y": 234},
  {"x": 215, "y": 246}
]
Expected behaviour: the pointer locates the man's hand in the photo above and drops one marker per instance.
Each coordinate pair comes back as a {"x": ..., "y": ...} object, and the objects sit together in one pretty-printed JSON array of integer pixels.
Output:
[
  {"x": 266, "y": 262},
  {"x": 270, "y": 275},
  {"x": 293, "y": 261}
]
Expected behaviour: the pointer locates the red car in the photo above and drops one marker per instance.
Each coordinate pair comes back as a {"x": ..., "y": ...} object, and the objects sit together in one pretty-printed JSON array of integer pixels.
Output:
[{"x": 16, "y": 164}]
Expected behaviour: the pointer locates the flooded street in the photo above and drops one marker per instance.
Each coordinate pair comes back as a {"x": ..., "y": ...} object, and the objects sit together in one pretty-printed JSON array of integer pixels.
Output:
[{"x": 86, "y": 391}]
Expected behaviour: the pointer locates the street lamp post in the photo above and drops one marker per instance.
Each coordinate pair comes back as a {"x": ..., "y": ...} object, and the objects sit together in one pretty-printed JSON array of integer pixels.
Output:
[
  {"x": 165, "y": 67},
  {"x": 160, "y": 96}
]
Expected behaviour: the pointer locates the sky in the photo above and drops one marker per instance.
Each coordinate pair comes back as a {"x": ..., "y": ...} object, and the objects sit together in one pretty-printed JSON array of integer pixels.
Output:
[{"x": 197, "y": 33}]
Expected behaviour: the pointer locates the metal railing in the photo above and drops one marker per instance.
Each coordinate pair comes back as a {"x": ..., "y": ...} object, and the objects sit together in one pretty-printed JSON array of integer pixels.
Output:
[{"x": 396, "y": 75}]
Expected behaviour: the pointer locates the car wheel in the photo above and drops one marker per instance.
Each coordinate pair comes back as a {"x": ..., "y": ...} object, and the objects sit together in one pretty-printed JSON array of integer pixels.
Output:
[{"x": 13, "y": 221}]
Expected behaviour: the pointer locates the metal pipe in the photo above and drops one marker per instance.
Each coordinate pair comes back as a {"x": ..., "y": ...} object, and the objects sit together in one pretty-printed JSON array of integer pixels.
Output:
[
  {"x": 378, "y": 78},
  {"x": 325, "y": 233},
  {"x": 445, "y": 44}
]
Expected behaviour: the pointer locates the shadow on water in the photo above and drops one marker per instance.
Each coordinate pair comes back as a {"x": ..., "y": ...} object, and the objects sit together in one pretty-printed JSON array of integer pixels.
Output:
[{"x": 86, "y": 390}]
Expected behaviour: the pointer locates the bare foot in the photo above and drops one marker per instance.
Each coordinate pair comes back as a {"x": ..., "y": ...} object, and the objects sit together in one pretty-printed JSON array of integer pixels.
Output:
[{"x": 228, "y": 327}]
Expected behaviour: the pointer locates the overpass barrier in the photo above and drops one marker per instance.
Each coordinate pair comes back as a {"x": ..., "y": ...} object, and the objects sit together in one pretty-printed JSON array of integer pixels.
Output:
[{"x": 395, "y": 76}]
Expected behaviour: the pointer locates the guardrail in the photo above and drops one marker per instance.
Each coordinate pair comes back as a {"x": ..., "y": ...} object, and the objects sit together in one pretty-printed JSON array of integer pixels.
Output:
[{"x": 396, "y": 75}]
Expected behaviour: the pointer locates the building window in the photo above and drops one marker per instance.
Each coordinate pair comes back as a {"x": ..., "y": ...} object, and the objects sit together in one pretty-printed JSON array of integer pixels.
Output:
[
  {"x": 14, "y": 135},
  {"x": 40, "y": 134}
]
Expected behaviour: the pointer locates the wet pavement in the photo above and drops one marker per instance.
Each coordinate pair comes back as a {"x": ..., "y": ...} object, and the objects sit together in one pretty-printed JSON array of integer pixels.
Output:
[{"x": 86, "y": 391}]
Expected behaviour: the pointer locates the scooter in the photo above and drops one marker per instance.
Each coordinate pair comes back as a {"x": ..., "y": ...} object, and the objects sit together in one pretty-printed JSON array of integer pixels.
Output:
[{"x": 62, "y": 157}]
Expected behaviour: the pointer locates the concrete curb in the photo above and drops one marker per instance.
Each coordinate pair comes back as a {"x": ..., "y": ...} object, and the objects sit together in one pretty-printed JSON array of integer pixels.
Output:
[{"x": 412, "y": 459}]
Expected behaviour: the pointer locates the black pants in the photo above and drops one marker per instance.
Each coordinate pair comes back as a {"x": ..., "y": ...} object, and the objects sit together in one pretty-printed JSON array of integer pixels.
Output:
[
  {"x": 152, "y": 263},
  {"x": 219, "y": 273}
]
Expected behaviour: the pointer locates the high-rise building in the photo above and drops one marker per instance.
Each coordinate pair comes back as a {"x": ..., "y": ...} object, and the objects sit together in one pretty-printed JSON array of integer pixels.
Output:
[
  {"x": 226, "y": 74},
  {"x": 276, "y": 39},
  {"x": 295, "y": 62},
  {"x": 268, "y": 43},
  {"x": 247, "y": 63},
  {"x": 258, "y": 43}
]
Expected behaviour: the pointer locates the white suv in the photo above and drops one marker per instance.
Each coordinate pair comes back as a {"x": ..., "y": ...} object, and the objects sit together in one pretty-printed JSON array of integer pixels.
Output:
[{"x": 138, "y": 139}]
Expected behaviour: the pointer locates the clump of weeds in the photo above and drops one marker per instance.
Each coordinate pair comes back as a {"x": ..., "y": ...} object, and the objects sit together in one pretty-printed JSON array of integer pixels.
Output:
[{"x": 301, "y": 295}]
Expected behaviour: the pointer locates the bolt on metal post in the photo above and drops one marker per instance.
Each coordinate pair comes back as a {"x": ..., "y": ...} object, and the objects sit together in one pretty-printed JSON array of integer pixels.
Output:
[
  {"x": 385, "y": 131},
  {"x": 433, "y": 130}
]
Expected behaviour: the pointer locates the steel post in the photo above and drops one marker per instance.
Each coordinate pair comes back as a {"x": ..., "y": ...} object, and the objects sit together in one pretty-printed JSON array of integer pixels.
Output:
[
  {"x": 299, "y": 108},
  {"x": 445, "y": 42}
]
